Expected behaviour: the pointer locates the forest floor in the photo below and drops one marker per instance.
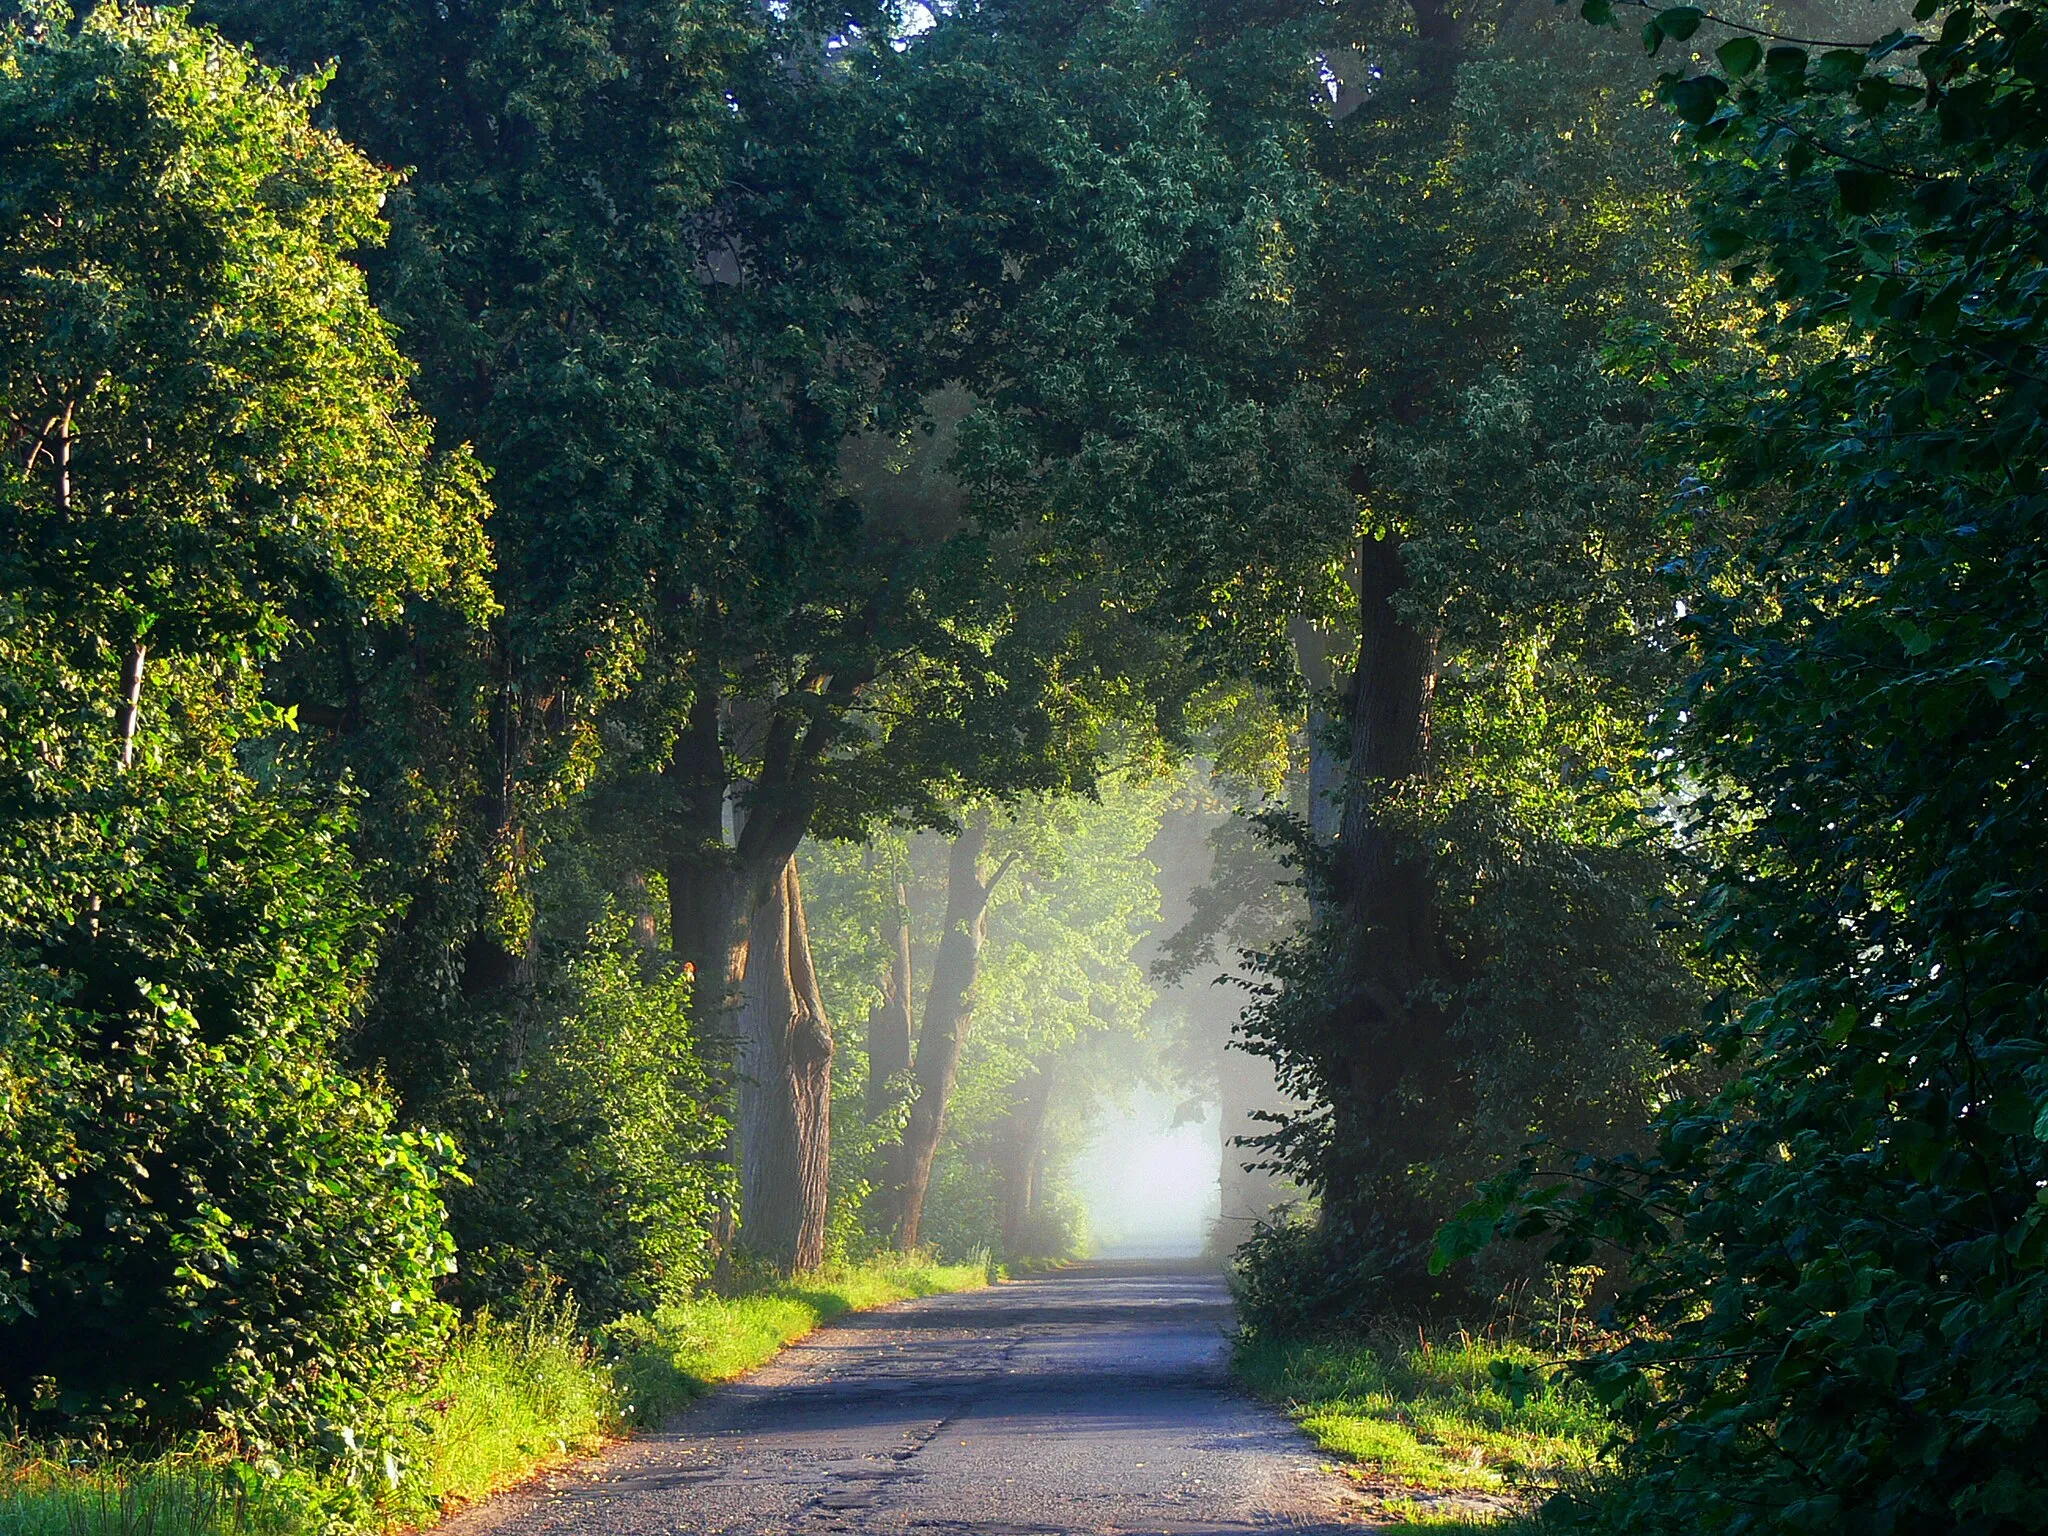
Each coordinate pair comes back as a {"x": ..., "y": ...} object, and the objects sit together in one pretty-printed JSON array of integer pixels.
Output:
[
  {"x": 512, "y": 1398},
  {"x": 1424, "y": 1429}
]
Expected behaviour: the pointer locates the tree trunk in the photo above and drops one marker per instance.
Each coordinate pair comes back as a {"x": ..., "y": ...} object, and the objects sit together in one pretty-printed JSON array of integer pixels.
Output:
[
  {"x": 132, "y": 667},
  {"x": 889, "y": 1022},
  {"x": 1023, "y": 1146},
  {"x": 707, "y": 929},
  {"x": 948, "y": 1009},
  {"x": 724, "y": 898},
  {"x": 784, "y": 1069},
  {"x": 1388, "y": 1030}
]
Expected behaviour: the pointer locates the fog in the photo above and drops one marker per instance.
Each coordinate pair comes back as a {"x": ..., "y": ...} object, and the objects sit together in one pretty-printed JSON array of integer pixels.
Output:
[{"x": 1150, "y": 1186}]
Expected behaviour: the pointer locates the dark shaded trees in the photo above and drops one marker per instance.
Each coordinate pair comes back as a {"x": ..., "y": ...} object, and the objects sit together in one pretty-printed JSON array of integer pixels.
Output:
[
  {"x": 1366, "y": 417},
  {"x": 1837, "y": 1296},
  {"x": 662, "y": 263}
]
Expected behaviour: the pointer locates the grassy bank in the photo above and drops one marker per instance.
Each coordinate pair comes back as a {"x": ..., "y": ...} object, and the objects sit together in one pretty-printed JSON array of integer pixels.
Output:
[
  {"x": 669, "y": 1356},
  {"x": 1428, "y": 1429},
  {"x": 511, "y": 1398}
]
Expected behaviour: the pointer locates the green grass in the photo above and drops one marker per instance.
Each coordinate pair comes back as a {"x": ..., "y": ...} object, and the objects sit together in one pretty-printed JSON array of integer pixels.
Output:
[
  {"x": 511, "y": 1398},
  {"x": 45, "y": 1496},
  {"x": 676, "y": 1353},
  {"x": 1429, "y": 1433}
]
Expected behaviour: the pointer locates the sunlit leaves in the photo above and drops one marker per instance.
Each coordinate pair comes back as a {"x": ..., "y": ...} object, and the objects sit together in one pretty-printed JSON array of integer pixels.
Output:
[{"x": 204, "y": 1222}]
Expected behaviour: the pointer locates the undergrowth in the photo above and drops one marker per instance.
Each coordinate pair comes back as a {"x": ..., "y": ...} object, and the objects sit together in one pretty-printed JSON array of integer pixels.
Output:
[{"x": 512, "y": 1397}]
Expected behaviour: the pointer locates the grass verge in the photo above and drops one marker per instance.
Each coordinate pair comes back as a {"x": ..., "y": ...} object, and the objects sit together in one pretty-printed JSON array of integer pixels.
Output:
[
  {"x": 1427, "y": 1430},
  {"x": 676, "y": 1353},
  {"x": 511, "y": 1398}
]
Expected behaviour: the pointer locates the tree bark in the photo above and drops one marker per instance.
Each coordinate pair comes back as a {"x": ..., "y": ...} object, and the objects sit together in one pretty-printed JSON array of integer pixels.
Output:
[
  {"x": 1023, "y": 1148},
  {"x": 1387, "y": 1030},
  {"x": 132, "y": 667},
  {"x": 889, "y": 1022},
  {"x": 716, "y": 888},
  {"x": 784, "y": 1069},
  {"x": 725, "y": 897},
  {"x": 706, "y": 930},
  {"x": 948, "y": 1010}
]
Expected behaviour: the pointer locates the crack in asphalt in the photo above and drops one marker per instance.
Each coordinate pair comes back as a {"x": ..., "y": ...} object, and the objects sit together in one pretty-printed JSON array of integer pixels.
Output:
[{"x": 1095, "y": 1401}]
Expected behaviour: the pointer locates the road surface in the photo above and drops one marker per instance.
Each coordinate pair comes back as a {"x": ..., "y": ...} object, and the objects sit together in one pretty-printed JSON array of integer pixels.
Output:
[{"x": 1096, "y": 1401}]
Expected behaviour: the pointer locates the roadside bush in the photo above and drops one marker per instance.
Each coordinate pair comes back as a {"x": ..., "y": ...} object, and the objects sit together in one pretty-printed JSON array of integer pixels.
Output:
[
  {"x": 210, "y": 450},
  {"x": 604, "y": 1141},
  {"x": 203, "y": 1222},
  {"x": 1296, "y": 1274},
  {"x": 1838, "y": 1303}
]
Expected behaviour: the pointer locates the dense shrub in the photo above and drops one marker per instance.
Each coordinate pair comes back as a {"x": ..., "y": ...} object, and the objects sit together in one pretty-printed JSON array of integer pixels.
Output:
[
  {"x": 601, "y": 1142},
  {"x": 1555, "y": 979},
  {"x": 209, "y": 450},
  {"x": 1839, "y": 1309},
  {"x": 202, "y": 1219}
]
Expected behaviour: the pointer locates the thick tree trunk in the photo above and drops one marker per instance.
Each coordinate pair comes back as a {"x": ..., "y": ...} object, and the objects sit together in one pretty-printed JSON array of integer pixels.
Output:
[
  {"x": 707, "y": 928},
  {"x": 947, "y": 1012},
  {"x": 725, "y": 898},
  {"x": 1023, "y": 1148},
  {"x": 889, "y": 1023},
  {"x": 784, "y": 1068},
  {"x": 1391, "y": 1040}
]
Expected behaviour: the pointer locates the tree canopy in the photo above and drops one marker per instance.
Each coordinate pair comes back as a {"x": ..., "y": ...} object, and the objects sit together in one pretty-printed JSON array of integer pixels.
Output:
[{"x": 611, "y": 613}]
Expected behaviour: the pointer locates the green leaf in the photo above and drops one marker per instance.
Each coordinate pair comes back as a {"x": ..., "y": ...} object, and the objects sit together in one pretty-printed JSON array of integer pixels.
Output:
[
  {"x": 1786, "y": 66},
  {"x": 1599, "y": 12},
  {"x": 1720, "y": 244},
  {"x": 1680, "y": 22},
  {"x": 1740, "y": 56},
  {"x": 1695, "y": 99},
  {"x": 1839, "y": 68}
]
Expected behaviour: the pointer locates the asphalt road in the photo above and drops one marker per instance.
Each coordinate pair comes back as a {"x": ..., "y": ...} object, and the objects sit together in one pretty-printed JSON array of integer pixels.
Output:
[{"x": 1094, "y": 1401}]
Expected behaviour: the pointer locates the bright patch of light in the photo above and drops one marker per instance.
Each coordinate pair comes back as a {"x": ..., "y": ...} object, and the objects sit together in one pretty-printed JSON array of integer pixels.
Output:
[{"x": 1151, "y": 1187}]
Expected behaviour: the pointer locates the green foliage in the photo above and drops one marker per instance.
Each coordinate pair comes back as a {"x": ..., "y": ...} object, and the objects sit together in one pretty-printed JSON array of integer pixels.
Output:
[
  {"x": 1060, "y": 992},
  {"x": 1838, "y": 1295},
  {"x": 1494, "y": 380},
  {"x": 205, "y": 1222},
  {"x": 508, "y": 1397},
  {"x": 210, "y": 435},
  {"x": 607, "y": 1146},
  {"x": 168, "y": 1498}
]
